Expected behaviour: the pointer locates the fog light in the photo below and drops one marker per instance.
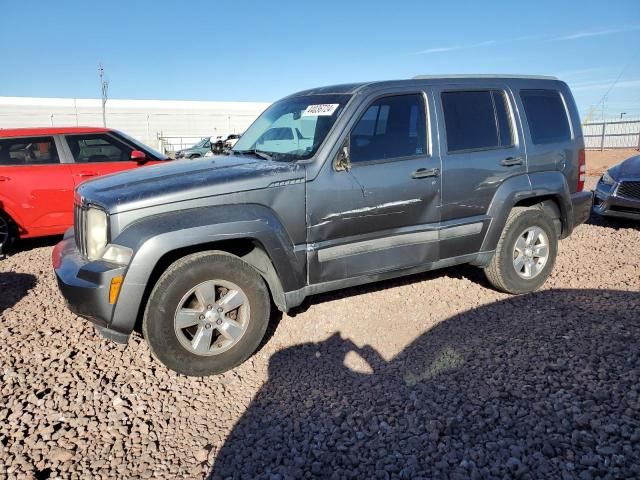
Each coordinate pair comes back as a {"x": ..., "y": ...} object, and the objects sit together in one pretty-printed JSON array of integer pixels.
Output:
[{"x": 114, "y": 290}]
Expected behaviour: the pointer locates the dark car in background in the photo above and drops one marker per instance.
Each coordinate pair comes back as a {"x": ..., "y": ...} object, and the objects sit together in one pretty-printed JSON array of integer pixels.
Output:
[
  {"x": 618, "y": 191},
  {"x": 200, "y": 149}
]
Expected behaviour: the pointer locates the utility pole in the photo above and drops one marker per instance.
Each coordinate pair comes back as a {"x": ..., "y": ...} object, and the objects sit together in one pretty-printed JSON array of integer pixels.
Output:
[
  {"x": 622, "y": 114},
  {"x": 104, "y": 88}
]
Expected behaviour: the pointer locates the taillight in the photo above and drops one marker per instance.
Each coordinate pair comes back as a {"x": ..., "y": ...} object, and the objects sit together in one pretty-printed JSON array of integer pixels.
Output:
[{"x": 582, "y": 169}]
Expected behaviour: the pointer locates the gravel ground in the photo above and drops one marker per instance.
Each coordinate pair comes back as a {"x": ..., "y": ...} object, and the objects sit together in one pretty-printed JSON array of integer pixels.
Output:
[{"x": 432, "y": 376}]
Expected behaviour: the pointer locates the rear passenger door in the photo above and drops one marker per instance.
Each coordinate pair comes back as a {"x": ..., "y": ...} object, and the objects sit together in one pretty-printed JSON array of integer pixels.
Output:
[
  {"x": 97, "y": 154},
  {"x": 481, "y": 147}
]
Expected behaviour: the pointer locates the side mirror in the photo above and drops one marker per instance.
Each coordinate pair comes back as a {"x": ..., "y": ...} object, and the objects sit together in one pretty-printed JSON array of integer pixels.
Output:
[
  {"x": 138, "y": 156},
  {"x": 343, "y": 161}
]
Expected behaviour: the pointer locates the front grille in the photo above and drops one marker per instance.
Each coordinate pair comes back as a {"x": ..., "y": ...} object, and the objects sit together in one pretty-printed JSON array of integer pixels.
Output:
[
  {"x": 79, "y": 228},
  {"x": 629, "y": 190}
]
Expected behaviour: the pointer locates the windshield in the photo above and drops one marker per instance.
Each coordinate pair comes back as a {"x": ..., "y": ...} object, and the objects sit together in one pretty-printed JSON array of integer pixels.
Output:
[{"x": 293, "y": 128}]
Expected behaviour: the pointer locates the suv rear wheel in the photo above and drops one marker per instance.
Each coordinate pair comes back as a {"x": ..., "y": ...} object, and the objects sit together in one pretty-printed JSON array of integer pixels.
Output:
[
  {"x": 526, "y": 252},
  {"x": 207, "y": 314}
]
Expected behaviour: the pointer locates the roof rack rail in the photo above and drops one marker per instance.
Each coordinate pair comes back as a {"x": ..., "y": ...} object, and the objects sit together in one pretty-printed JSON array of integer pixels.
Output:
[{"x": 484, "y": 75}]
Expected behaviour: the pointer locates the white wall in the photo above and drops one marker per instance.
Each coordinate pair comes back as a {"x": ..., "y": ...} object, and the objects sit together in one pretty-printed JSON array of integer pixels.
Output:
[{"x": 142, "y": 119}]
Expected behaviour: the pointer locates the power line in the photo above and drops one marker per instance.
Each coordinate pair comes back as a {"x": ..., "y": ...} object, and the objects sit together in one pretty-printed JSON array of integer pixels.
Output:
[{"x": 613, "y": 84}]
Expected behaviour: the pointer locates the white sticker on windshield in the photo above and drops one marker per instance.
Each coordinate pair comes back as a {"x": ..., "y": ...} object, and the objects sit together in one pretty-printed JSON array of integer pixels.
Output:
[{"x": 320, "y": 110}]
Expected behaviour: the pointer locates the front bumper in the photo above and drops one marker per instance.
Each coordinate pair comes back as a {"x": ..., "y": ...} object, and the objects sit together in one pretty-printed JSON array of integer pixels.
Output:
[
  {"x": 607, "y": 203},
  {"x": 581, "y": 202},
  {"x": 85, "y": 286}
]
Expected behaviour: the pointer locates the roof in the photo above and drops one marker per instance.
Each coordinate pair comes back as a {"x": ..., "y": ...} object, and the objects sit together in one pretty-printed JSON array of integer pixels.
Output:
[
  {"x": 484, "y": 76},
  {"x": 351, "y": 88},
  {"x": 37, "y": 131},
  {"x": 345, "y": 88}
]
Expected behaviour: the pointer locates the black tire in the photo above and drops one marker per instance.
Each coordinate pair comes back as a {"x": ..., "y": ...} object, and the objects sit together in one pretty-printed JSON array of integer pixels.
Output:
[
  {"x": 501, "y": 271},
  {"x": 7, "y": 232},
  {"x": 169, "y": 291},
  {"x": 195, "y": 155}
]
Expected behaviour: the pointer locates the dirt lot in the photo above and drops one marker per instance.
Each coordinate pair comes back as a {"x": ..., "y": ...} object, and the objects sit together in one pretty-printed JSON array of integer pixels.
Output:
[
  {"x": 432, "y": 376},
  {"x": 598, "y": 162}
]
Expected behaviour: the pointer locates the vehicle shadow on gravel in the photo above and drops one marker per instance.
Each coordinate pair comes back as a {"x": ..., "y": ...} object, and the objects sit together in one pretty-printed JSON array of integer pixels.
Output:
[
  {"x": 13, "y": 287},
  {"x": 469, "y": 272},
  {"x": 32, "y": 243},
  {"x": 545, "y": 385}
]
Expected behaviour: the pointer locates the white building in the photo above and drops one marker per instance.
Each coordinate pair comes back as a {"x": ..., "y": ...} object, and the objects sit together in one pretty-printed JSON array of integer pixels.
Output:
[{"x": 183, "y": 123}]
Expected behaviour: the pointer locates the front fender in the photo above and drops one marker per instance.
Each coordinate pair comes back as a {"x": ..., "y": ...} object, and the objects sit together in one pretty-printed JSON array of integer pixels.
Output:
[{"x": 154, "y": 237}]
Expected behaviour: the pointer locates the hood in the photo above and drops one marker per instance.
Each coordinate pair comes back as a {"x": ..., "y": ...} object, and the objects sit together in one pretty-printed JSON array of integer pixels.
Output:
[
  {"x": 629, "y": 168},
  {"x": 178, "y": 181}
]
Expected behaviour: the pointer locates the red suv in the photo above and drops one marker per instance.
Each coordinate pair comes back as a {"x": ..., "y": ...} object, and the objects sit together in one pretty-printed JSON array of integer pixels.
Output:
[{"x": 40, "y": 167}]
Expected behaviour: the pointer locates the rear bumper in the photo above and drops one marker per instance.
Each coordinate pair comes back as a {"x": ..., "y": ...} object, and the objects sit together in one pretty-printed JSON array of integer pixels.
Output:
[
  {"x": 581, "y": 203},
  {"x": 85, "y": 286},
  {"x": 606, "y": 203}
]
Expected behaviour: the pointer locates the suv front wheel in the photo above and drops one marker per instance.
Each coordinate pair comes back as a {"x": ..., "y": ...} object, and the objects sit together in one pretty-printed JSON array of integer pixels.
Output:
[
  {"x": 526, "y": 252},
  {"x": 207, "y": 314}
]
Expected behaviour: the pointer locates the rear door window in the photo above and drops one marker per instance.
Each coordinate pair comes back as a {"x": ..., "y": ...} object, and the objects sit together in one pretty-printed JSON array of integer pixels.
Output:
[
  {"x": 546, "y": 116},
  {"x": 392, "y": 127},
  {"x": 476, "y": 120},
  {"x": 28, "y": 151},
  {"x": 99, "y": 147}
]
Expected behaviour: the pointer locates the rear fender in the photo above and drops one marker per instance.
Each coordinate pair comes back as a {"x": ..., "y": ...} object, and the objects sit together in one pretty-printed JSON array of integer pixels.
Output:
[{"x": 525, "y": 189}]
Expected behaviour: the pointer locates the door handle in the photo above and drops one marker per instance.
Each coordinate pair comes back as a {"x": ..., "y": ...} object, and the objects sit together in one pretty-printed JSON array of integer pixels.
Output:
[
  {"x": 426, "y": 172},
  {"x": 87, "y": 174},
  {"x": 4, "y": 179},
  {"x": 512, "y": 161}
]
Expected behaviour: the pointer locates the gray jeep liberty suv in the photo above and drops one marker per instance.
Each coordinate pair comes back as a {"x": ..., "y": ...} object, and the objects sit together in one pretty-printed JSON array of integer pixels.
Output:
[{"x": 329, "y": 188}]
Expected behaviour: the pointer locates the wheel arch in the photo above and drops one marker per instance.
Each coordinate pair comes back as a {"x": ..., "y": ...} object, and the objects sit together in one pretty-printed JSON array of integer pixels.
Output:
[
  {"x": 7, "y": 208},
  {"x": 252, "y": 234},
  {"x": 547, "y": 189},
  {"x": 249, "y": 250}
]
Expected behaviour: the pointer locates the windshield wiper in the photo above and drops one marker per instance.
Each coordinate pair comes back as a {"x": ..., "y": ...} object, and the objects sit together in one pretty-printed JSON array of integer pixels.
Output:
[{"x": 257, "y": 153}]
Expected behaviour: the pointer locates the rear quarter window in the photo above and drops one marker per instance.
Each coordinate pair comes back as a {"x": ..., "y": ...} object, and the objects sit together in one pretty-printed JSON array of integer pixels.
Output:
[{"x": 546, "y": 116}]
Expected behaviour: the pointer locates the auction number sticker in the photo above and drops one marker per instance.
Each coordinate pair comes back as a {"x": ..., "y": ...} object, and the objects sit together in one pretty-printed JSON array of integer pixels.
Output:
[{"x": 321, "y": 110}]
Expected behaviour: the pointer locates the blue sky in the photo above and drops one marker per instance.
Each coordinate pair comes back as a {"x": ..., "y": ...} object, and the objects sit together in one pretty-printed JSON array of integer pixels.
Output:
[{"x": 260, "y": 51}]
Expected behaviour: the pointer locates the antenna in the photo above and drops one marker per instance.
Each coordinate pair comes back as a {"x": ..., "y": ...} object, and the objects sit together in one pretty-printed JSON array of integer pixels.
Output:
[{"x": 104, "y": 88}]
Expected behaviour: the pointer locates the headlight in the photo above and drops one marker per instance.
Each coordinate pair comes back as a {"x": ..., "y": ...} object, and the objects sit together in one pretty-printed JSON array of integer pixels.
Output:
[
  {"x": 96, "y": 233},
  {"x": 607, "y": 179},
  {"x": 117, "y": 254}
]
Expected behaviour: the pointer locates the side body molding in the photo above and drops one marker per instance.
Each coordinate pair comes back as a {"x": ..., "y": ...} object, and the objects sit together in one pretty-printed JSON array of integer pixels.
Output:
[{"x": 155, "y": 236}]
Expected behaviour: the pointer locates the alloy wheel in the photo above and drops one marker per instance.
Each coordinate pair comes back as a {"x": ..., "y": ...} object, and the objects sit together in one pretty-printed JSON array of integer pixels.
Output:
[
  {"x": 531, "y": 252},
  {"x": 211, "y": 317}
]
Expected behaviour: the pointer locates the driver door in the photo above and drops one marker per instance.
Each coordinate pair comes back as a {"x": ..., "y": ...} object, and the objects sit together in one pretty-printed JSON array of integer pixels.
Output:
[
  {"x": 97, "y": 154},
  {"x": 383, "y": 213}
]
